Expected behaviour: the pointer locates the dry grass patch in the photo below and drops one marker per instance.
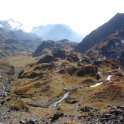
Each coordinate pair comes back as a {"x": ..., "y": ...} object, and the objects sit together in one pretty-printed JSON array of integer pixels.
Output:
[
  {"x": 20, "y": 60},
  {"x": 18, "y": 105}
]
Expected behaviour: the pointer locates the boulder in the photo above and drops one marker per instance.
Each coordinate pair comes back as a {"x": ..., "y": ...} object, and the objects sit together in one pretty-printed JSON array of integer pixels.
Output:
[
  {"x": 71, "y": 100},
  {"x": 90, "y": 70},
  {"x": 56, "y": 116},
  {"x": 46, "y": 59}
]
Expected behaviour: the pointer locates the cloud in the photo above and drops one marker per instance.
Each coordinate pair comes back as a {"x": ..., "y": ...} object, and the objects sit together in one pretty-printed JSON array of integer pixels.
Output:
[{"x": 81, "y": 15}]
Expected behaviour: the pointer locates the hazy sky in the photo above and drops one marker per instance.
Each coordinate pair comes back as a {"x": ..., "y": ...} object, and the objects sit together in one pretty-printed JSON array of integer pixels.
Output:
[{"x": 81, "y": 15}]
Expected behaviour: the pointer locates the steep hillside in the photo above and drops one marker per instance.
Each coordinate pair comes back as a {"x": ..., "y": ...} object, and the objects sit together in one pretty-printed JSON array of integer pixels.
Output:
[
  {"x": 111, "y": 47},
  {"x": 112, "y": 26}
]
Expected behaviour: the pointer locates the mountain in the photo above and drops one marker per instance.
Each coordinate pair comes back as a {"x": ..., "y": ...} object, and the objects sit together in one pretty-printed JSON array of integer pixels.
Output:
[
  {"x": 111, "y": 47},
  {"x": 13, "y": 41},
  {"x": 50, "y": 45},
  {"x": 4, "y": 35},
  {"x": 112, "y": 26},
  {"x": 57, "y": 32},
  {"x": 10, "y": 24},
  {"x": 14, "y": 28},
  {"x": 61, "y": 85},
  {"x": 22, "y": 35}
]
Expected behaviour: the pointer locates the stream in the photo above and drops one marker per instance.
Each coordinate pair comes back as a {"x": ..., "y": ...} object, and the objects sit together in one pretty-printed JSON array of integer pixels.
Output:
[
  {"x": 54, "y": 104},
  {"x": 57, "y": 102}
]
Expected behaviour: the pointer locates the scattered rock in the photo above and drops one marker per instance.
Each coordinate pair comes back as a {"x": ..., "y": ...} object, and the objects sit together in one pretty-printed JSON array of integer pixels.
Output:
[
  {"x": 85, "y": 109},
  {"x": 71, "y": 100},
  {"x": 28, "y": 121},
  {"x": 56, "y": 116}
]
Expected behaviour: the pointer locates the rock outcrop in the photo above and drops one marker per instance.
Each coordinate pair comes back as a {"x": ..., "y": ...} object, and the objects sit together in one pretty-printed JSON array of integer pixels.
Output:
[{"x": 53, "y": 46}]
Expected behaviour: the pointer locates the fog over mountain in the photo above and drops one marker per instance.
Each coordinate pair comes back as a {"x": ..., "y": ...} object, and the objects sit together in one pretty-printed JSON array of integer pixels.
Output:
[
  {"x": 57, "y": 32},
  {"x": 13, "y": 40},
  {"x": 49, "y": 32},
  {"x": 10, "y": 24}
]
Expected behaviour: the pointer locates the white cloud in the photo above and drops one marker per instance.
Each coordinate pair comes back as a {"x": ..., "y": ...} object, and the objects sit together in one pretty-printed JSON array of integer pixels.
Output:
[{"x": 82, "y": 15}]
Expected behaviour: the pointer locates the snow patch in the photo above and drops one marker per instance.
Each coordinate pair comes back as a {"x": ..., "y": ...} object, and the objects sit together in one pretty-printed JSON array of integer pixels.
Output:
[
  {"x": 108, "y": 78},
  {"x": 97, "y": 84}
]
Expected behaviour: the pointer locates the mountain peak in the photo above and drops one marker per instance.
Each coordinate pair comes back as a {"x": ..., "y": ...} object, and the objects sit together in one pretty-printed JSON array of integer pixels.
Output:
[
  {"x": 114, "y": 25},
  {"x": 56, "y": 32}
]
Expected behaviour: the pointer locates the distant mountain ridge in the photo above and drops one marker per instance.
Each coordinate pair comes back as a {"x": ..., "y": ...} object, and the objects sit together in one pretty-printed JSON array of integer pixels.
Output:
[
  {"x": 10, "y": 24},
  {"x": 16, "y": 41},
  {"x": 112, "y": 26},
  {"x": 57, "y": 32}
]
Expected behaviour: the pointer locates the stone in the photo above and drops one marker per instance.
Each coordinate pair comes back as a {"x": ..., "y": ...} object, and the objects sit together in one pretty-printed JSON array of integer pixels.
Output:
[
  {"x": 71, "y": 100},
  {"x": 56, "y": 116}
]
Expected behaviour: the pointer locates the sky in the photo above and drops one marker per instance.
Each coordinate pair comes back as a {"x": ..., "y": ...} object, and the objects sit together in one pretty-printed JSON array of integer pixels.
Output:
[{"x": 81, "y": 15}]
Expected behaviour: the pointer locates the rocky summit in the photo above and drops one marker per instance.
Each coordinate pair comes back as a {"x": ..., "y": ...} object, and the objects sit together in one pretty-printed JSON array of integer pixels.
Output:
[{"x": 58, "y": 85}]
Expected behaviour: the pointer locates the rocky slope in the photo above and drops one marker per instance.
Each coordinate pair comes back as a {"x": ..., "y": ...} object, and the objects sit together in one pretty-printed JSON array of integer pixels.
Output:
[
  {"x": 111, "y": 47},
  {"x": 112, "y": 26},
  {"x": 50, "y": 45}
]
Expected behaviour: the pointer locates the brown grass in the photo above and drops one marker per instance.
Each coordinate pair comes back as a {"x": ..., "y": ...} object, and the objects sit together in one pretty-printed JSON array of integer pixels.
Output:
[
  {"x": 18, "y": 105},
  {"x": 20, "y": 60}
]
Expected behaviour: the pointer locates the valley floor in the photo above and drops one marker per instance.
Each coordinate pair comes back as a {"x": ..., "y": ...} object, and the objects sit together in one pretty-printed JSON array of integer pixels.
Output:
[{"x": 61, "y": 92}]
